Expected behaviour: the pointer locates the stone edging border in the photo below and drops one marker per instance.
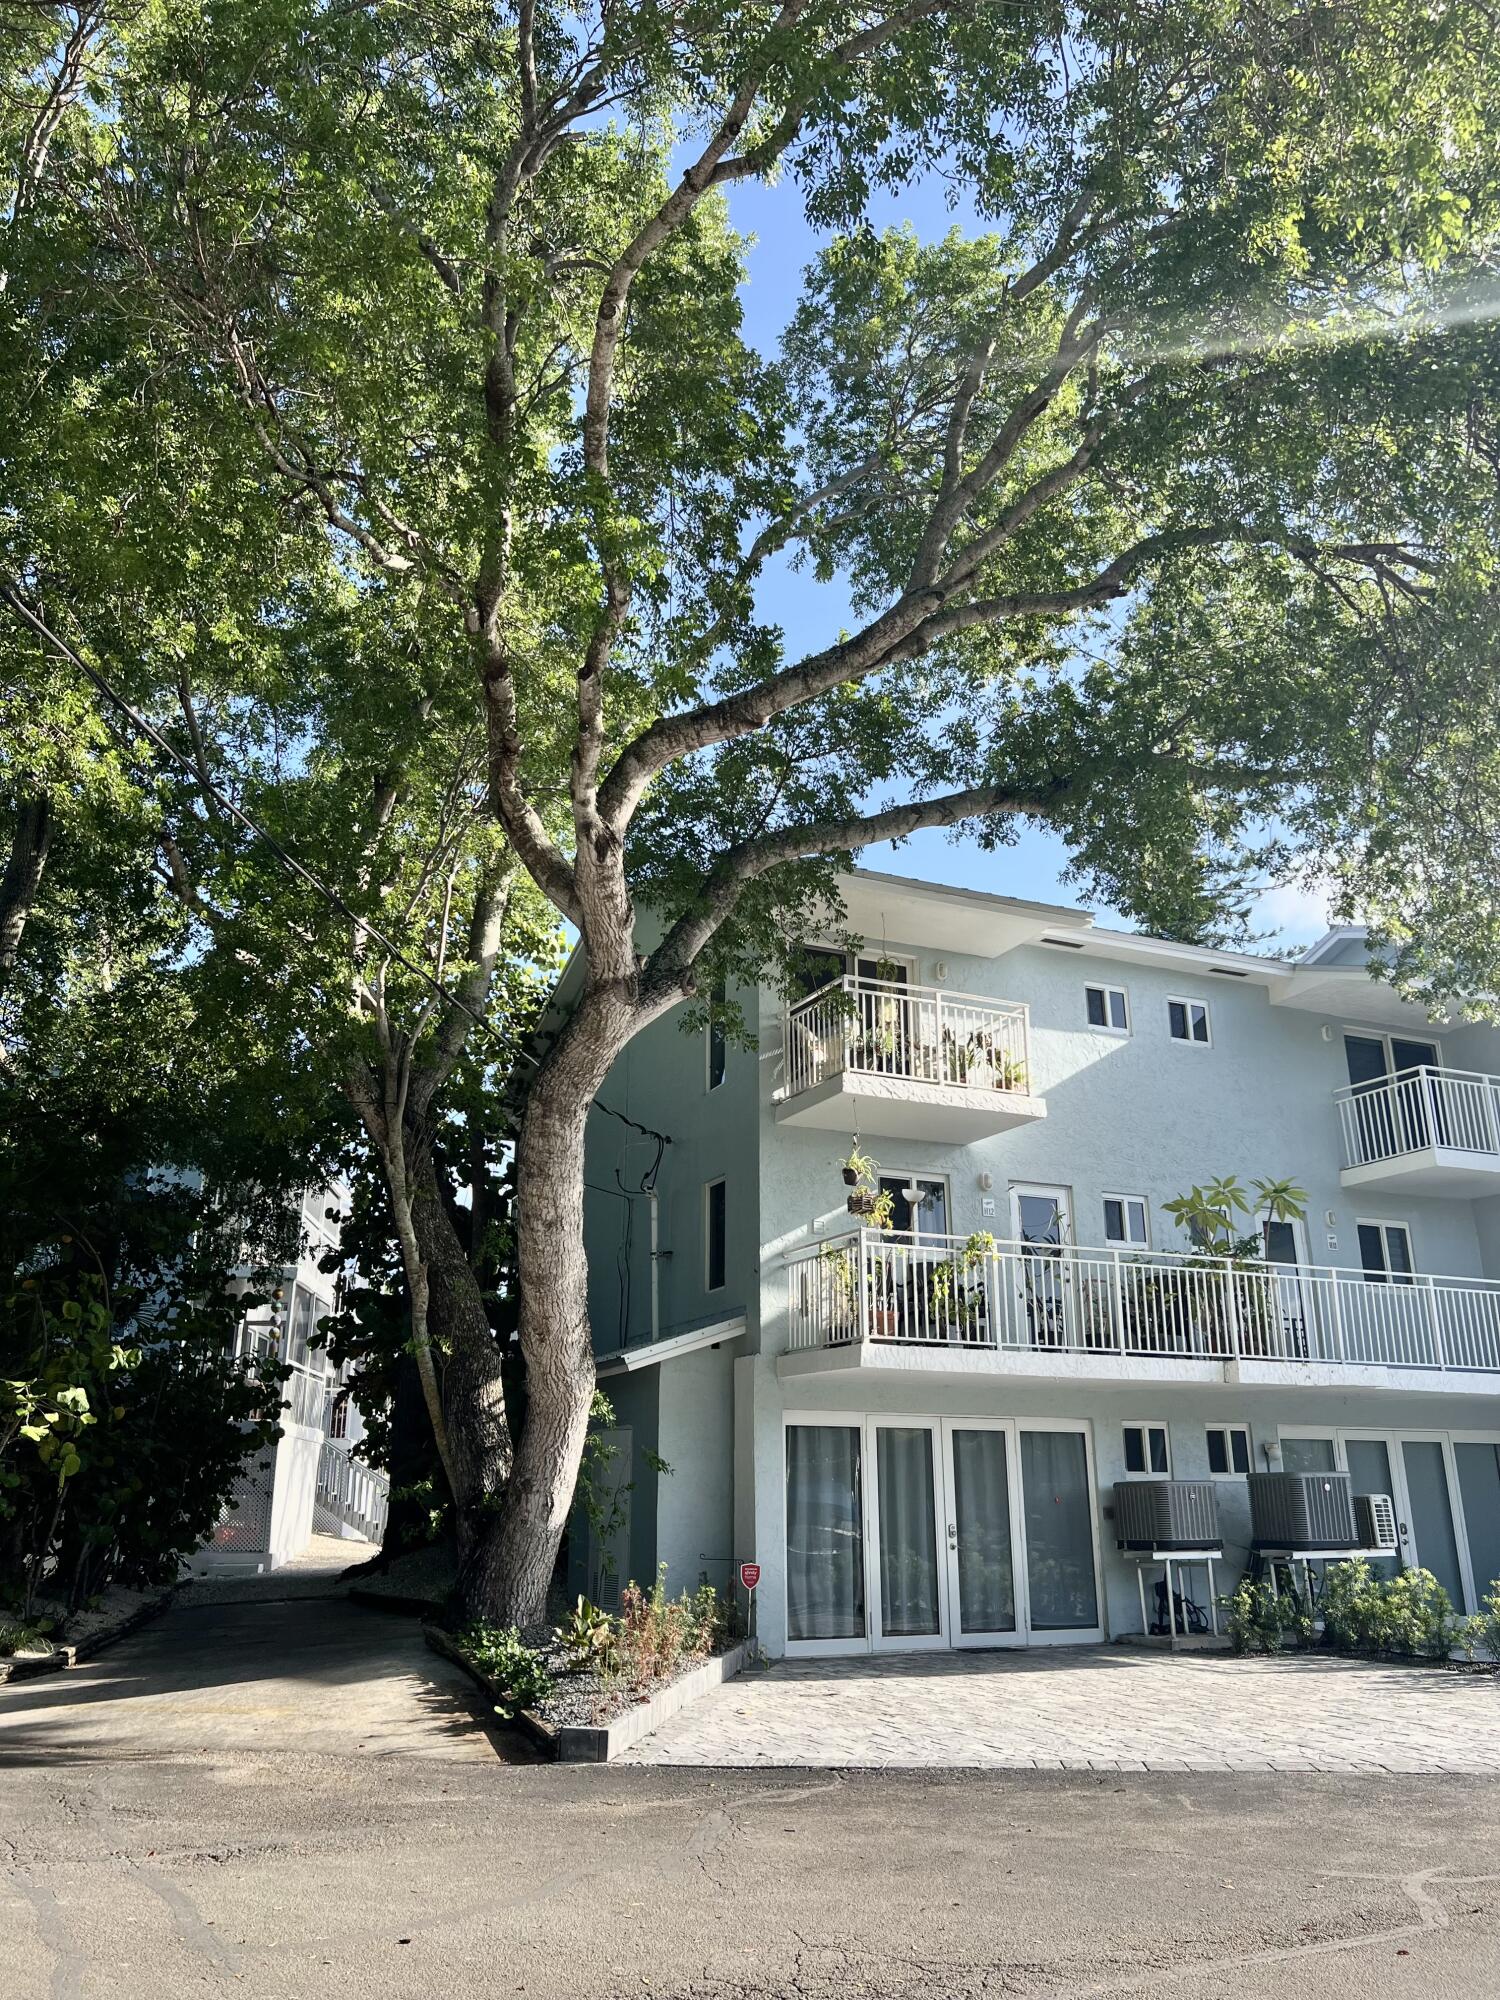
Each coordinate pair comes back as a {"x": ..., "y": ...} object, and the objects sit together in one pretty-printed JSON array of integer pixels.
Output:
[
  {"x": 579, "y": 1743},
  {"x": 65, "y": 1655}
]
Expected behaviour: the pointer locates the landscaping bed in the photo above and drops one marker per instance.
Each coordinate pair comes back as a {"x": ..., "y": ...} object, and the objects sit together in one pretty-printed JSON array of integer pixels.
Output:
[
  {"x": 81, "y": 1634},
  {"x": 587, "y": 1687}
]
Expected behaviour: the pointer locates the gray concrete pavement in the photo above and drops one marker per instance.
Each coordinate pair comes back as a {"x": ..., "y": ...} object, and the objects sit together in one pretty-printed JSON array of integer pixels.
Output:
[
  {"x": 1092, "y": 1708},
  {"x": 256, "y": 1828}
]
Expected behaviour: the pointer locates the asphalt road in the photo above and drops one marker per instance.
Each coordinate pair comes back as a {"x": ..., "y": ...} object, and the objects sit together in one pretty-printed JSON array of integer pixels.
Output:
[{"x": 211, "y": 1835}]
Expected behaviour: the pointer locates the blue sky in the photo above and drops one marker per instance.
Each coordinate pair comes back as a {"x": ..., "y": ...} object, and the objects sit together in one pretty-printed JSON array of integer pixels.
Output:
[{"x": 813, "y": 614}]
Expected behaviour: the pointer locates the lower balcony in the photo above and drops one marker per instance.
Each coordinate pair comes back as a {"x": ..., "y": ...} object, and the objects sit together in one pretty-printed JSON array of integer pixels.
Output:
[
  {"x": 1423, "y": 1131},
  {"x": 899, "y": 1061},
  {"x": 875, "y": 1298}
]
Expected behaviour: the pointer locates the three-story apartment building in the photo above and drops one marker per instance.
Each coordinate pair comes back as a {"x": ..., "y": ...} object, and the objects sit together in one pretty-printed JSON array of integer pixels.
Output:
[{"x": 916, "y": 1428}]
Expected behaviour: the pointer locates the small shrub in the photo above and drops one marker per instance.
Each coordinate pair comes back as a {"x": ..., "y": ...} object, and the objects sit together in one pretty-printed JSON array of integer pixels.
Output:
[
  {"x": 655, "y": 1631},
  {"x": 714, "y": 1619},
  {"x": 1261, "y": 1621},
  {"x": 587, "y": 1637},
  {"x": 1481, "y": 1632},
  {"x": 1409, "y": 1614},
  {"x": 519, "y": 1669},
  {"x": 21, "y": 1636}
]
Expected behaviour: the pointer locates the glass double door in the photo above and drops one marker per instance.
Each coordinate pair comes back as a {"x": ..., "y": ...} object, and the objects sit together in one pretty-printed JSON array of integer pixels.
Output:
[
  {"x": 948, "y": 1532},
  {"x": 1424, "y": 1475}
]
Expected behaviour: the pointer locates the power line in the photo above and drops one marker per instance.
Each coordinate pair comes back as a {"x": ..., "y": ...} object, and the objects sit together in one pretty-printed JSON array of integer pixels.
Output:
[{"x": 148, "y": 729}]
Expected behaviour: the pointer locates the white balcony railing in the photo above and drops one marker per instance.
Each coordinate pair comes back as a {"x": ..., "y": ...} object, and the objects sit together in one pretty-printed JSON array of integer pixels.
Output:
[
  {"x": 979, "y": 1294},
  {"x": 1416, "y": 1109},
  {"x": 353, "y": 1492},
  {"x": 876, "y": 1027}
]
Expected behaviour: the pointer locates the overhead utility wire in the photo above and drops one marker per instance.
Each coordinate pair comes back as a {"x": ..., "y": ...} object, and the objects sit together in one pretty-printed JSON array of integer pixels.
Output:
[{"x": 11, "y": 596}]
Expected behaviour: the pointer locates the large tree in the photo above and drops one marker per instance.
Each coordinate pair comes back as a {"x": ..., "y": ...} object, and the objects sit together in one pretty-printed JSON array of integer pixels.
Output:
[{"x": 1158, "y": 494}]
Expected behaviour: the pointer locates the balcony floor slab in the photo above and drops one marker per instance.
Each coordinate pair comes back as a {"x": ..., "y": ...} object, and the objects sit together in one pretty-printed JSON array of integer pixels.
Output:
[
  {"x": 903, "y": 1107},
  {"x": 880, "y": 1360},
  {"x": 1434, "y": 1170}
]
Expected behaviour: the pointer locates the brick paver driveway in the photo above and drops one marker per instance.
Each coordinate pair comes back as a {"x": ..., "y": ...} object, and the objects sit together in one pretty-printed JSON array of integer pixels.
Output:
[{"x": 1105, "y": 1708}]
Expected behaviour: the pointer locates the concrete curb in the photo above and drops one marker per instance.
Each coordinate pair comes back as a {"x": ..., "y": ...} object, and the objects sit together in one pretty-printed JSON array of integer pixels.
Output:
[{"x": 578, "y": 1743}]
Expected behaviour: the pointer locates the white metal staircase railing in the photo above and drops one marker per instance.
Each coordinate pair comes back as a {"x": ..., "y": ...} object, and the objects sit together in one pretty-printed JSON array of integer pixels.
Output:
[
  {"x": 878, "y": 1027},
  {"x": 976, "y": 1293},
  {"x": 1418, "y": 1108},
  {"x": 353, "y": 1492}
]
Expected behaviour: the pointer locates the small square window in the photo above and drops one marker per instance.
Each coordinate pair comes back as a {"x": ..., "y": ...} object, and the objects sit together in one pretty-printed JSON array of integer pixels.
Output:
[
  {"x": 1146, "y": 1452},
  {"x": 1228, "y": 1450},
  {"x": 1187, "y": 1021},
  {"x": 1108, "y": 1008},
  {"x": 1125, "y": 1220}
]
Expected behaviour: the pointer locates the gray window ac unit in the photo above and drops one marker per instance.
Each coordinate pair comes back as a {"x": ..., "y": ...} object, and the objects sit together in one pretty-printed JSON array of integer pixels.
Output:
[
  {"x": 1166, "y": 1514},
  {"x": 1301, "y": 1510},
  {"x": 1375, "y": 1522}
]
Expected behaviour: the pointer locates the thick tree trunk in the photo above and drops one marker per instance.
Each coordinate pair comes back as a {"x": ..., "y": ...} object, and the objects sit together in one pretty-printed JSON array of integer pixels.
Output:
[
  {"x": 507, "y": 1578},
  {"x": 22, "y": 879},
  {"x": 473, "y": 1395}
]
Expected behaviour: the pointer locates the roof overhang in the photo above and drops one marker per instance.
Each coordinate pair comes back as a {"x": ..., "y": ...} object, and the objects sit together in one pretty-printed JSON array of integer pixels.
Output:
[
  {"x": 1349, "y": 993},
  {"x": 941, "y": 917},
  {"x": 628, "y": 1359}
]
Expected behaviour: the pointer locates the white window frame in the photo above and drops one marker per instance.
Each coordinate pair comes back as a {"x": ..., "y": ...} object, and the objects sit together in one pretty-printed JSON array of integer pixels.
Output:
[
  {"x": 1145, "y": 1425},
  {"x": 909, "y": 1177},
  {"x": 1383, "y": 1223},
  {"x": 1106, "y": 1026},
  {"x": 1126, "y": 1242},
  {"x": 719, "y": 1180},
  {"x": 1190, "y": 1041},
  {"x": 1228, "y": 1431}
]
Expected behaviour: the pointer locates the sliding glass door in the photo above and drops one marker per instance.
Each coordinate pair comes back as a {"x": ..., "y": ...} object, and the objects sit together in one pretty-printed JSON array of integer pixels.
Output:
[
  {"x": 912, "y": 1598},
  {"x": 908, "y": 1533},
  {"x": 983, "y": 1506}
]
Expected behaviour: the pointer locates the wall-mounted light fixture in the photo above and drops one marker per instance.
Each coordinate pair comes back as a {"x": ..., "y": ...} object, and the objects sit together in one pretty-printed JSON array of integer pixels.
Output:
[{"x": 986, "y": 1182}]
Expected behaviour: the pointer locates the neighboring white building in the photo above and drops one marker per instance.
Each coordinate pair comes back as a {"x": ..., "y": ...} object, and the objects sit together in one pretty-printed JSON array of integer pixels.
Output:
[
  {"x": 917, "y": 1433},
  {"x": 311, "y": 1480}
]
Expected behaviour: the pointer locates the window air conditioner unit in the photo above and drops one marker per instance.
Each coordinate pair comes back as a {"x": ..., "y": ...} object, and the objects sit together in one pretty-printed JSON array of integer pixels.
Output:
[
  {"x": 1375, "y": 1522},
  {"x": 1301, "y": 1510},
  {"x": 1168, "y": 1515}
]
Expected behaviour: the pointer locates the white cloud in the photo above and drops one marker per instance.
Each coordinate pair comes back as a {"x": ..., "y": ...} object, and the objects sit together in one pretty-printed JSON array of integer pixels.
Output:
[{"x": 1297, "y": 912}]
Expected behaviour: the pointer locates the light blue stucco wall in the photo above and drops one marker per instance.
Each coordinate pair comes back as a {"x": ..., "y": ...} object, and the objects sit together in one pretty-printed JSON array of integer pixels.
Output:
[
  {"x": 1138, "y": 1115},
  {"x": 661, "y": 1080}
]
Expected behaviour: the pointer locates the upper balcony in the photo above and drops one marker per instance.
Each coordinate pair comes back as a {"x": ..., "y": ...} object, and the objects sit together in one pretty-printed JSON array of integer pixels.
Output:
[
  {"x": 876, "y": 1299},
  {"x": 1423, "y": 1131},
  {"x": 907, "y": 1062}
]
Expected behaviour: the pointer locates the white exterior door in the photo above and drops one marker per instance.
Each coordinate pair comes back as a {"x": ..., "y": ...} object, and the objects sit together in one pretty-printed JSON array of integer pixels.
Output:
[
  {"x": 981, "y": 1472},
  {"x": 908, "y": 1564},
  {"x": 1041, "y": 1221}
]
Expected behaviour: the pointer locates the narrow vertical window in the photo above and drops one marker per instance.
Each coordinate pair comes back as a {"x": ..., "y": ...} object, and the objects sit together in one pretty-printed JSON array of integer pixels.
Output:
[
  {"x": 714, "y": 1236},
  {"x": 717, "y": 1044}
]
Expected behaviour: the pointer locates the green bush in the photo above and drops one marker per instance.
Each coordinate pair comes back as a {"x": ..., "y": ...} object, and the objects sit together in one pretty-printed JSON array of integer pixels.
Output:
[
  {"x": 518, "y": 1669},
  {"x": 116, "y": 1456},
  {"x": 1261, "y": 1621},
  {"x": 1481, "y": 1633},
  {"x": 1410, "y": 1613}
]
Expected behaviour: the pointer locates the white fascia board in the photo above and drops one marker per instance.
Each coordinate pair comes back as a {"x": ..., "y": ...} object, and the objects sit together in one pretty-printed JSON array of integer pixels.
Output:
[
  {"x": 628, "y": 1359},
  {"x": 1193, "y": 959}
]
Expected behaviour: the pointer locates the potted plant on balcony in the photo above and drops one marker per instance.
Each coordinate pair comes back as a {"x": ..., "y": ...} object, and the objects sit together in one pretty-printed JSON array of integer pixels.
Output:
[
  {"x": 859, "y": 1170},
  {"x": 1211, "y": 1216}
]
